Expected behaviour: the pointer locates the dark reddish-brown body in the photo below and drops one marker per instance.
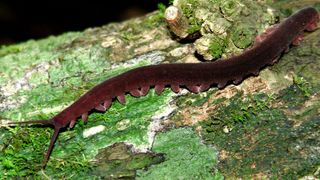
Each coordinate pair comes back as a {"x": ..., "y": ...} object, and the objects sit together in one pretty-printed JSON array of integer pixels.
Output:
[{"x": 196, "y": 77}]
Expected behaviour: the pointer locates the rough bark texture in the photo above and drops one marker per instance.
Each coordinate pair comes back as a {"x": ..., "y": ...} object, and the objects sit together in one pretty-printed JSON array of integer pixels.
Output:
[{"x": 269, "y": 126}]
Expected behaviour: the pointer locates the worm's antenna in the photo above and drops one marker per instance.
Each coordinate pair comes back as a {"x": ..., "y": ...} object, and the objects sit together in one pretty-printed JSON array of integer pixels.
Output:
[
  {"x": 33, "y": 122},
  {"x": 53, "y": 140}
]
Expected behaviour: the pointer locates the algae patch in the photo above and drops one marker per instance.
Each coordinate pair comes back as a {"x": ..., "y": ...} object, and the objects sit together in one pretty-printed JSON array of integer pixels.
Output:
[
  {"x": 185, "y": 157},
  {"x": 119, "y": 161}
]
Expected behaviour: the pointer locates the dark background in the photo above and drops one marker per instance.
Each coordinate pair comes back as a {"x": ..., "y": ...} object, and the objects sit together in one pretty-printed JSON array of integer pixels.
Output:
[{"x": 21, "y": 20}]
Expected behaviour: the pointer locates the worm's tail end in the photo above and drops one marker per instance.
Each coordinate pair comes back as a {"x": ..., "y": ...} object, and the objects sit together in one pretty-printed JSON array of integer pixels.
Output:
[{"x": 52, "y": 141}]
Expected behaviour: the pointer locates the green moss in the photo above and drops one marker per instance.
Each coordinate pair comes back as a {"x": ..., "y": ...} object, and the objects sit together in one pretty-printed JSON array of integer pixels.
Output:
[
  {"x": 188, "y": 7},
  {"x": 303, "y": 85},
  {"x": 194, "y": 25},
  {"x": 194, "y": 100},
  {"x": 26, "y": 147},
  {"x": 161, "y": 7},
  {"x": 127, "y": 36},
  {"x": 238, "y": 111},
  {"x": 295, "y": 95},
  {"x": 269, "y": 146},
  {"x": 230, "y": 8},
  {"x": 242, "y": 36},
  {"x": 5, "y": 50},
  {"x": 217, "y": 47},
  {"x": 185, "y": 157},
  {"x": 157, "y": 18},
  {"x": 262, "y": 139}
]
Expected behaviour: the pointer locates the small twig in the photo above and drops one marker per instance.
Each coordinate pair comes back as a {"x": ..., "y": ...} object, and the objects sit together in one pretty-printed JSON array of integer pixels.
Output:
[{"x": 176, "y": 21}]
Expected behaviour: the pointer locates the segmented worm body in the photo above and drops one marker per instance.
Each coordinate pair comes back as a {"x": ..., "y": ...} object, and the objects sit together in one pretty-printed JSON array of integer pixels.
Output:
[{"x": 196, "y": 77}]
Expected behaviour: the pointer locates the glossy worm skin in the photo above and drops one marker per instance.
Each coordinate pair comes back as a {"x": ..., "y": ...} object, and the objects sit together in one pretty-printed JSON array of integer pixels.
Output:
[{"x": 196, "y": 77}]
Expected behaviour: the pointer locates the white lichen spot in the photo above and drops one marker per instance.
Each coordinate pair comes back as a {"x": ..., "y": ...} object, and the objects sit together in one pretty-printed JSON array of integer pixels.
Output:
[
  {"x": 155, "y": 57},
  {"x": 110, "y": 41},
  {"x": 154, "y": 45},
  {"x": 181, "y": 51},
  {"x": 202, "y": 46},
  {"x": 190, "y": 59},
  {"x": 123, "y": 124},
  {"x": 203, "y": 14},
  {"x": 289, "y": 77},
  {"x": 10, "y": 102},
  {"x": 24, "y": 83},
  {"x": 156, "y": 125},
  {"x": 175, "y": 3},
  {"x": 270, "y": 11},
  {"x": 218, "y": 26},
  {"x": 93, "y": 130},
  {"x": 309, "y": 178},
  {"x": 226, "y": 129}
]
